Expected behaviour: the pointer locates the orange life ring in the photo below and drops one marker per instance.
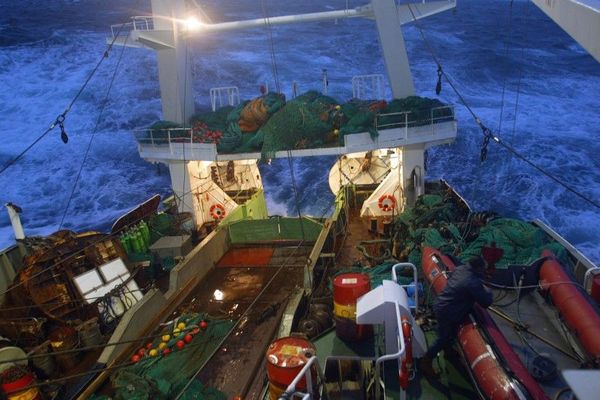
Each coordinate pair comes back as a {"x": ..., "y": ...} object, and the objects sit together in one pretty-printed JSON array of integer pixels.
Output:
[
  {"x": 406, "y": 365},
  {"x": 217, "y": 211},
  {"x": 387, "y": 202}
]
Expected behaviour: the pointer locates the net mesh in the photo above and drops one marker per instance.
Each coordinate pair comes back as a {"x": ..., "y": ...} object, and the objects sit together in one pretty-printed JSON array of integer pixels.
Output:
[
  {"x": 165, "y": 376},
  {"x": 268, "y": 124}
]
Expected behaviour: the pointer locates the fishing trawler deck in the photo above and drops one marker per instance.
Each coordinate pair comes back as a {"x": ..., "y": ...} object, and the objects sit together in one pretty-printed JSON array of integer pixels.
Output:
[{"x": 254, "y": 284}]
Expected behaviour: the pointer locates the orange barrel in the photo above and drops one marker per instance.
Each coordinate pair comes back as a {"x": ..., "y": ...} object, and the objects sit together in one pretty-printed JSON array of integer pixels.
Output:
[
  {"x": 285, "y": 358},
  {"x": 275, "y": 391},
  {"x": 347, "y": 288},
  {"x": 15, "y": 378}
]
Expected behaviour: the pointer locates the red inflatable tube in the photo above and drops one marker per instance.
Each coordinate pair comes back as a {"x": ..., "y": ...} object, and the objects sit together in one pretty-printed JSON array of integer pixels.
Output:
[
  {"x": 576, "y": 311},
  {"x": 491, "y": 378}
]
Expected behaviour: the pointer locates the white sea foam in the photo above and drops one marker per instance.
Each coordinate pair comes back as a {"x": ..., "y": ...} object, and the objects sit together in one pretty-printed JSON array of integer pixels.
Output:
[{"x": 557, "y": 113}]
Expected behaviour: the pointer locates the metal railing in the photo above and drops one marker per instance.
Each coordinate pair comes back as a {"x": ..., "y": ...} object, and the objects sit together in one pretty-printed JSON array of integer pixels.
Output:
[
  {"x": 168, "y": 136},
  {"x": 163, "y": 137},
  {"x": 367, "y": 87},
  {"x": 403, "y": 120},
  {"x": 224, "y": 96},
  {"x": 138, "y": 23},
  {"x": 393, "y": 356},
  {"x": 305, "y": 373},
  {"x": 415, "y": 280}
]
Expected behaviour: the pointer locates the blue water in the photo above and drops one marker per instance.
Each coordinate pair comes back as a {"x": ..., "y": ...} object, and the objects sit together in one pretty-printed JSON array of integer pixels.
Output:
[{"x": 48, "y": 48}]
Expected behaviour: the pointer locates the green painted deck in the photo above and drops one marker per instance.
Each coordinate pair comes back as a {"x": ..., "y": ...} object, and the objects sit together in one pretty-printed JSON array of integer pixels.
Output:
[{"x": 453, "y": 383}]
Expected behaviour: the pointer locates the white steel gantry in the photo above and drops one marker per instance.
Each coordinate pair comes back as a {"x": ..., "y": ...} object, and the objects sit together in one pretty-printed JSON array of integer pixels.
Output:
[{"x": 171, "y": 26}]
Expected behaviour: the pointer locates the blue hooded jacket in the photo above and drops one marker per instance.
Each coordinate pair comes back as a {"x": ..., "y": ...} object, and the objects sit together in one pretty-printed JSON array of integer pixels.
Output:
[{"x": 464, "y": 288}]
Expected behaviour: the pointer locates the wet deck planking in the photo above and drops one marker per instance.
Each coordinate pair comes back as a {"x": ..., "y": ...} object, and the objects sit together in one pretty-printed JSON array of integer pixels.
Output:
[{"x": 233, "y": 368}]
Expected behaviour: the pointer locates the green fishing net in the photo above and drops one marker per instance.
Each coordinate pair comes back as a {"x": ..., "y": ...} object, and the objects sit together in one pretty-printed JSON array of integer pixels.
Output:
[
  {"x": 268, "y": 124},
  {"x": 165, "y": 376}
]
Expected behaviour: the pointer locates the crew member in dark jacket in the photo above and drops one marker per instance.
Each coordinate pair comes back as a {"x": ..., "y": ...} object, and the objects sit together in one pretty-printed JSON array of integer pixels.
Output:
[{"x": 463, "y": 290}]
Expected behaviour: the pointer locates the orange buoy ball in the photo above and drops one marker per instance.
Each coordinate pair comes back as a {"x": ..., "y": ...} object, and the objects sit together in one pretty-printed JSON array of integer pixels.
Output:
[
  {"x": 149, "y": 345},
  {"x": 188, "y": 338},
  {"x": 135, "y": 358},
  {"x": 166, "y": 351},
  {"x": 162, "y": 345},
  {"x": 180, "y": 344},
  {"x": 153, "y": 353},
  {"x": 203, "y": 325},
  {"x": 166, "y": 338},
  {"x": 141, "y": 352},
  {"x": 181, "y": 326}
]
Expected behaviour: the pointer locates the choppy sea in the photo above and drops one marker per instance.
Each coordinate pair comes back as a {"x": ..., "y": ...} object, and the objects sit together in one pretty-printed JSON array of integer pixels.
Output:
[{"x": 521, "y": 74}]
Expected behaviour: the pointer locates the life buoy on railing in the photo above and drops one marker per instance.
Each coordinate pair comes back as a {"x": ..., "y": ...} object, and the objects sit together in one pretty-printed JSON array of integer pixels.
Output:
[
  {"x": 217, "y": 211},
  {"x": 406, "y": 364},
  {"x": 387, "y": 202}
]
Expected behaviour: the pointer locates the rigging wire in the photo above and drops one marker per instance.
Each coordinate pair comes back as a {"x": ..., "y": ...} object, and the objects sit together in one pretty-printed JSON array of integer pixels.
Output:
[
  {"x": 487, "y": 133},
  {"x": 506, "y": 48},
  {"x": 271, "y": 45},
  {"x": 295, "y": 188},
  {"x": 94, "y": 131},
  {"x": 59, "y": 121},
  {"x": 518, "y": 96}
]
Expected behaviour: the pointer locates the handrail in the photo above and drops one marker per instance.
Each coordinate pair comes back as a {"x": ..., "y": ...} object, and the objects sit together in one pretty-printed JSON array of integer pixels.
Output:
[
  {"x": 415, "y": 279},
  {"x": 591, "y": 271},
  {"x": 304, "y": 372},
  {"x": 138, "y": 23},
  {"x": 392, "y": 356}
]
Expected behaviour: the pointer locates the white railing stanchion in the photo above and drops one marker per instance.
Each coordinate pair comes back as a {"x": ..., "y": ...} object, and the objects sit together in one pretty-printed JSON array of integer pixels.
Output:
[
  {"x": 415, "y": 280},
  {"x": 393, "y": 356},
  {"x": 305, "y": 372}
]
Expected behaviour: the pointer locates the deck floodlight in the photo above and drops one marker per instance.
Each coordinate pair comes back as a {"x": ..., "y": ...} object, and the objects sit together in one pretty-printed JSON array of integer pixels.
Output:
[{"x": 192, "y": 23}]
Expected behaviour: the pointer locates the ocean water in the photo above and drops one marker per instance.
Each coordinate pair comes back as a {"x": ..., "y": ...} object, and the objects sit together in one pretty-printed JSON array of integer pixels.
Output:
[{"x": 522, "y": 75}]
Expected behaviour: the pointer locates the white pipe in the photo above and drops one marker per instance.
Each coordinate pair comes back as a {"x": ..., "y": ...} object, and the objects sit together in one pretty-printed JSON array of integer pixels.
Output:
[
  {"x": 285, "y": 19},
  {"x": 304, "y": 371},
  {"x": 15, "y": 220},
  {"x": 590, "y": 271}
]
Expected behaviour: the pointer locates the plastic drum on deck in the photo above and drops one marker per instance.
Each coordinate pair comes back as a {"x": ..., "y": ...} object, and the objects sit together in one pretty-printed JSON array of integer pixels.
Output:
[
  {"x": 285, "y": 359},
  {"x": 347, "y": 288}
]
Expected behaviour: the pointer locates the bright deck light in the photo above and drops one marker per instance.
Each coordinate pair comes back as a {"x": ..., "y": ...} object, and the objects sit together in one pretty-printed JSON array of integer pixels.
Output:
[
  {"x": 193, "y": 24},
  {"x": 218, "y": 295}
]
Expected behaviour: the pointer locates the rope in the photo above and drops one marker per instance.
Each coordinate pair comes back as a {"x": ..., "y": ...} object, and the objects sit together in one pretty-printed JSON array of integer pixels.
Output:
[
  {"x": 59, "y": 121},
  {"x": 94, "y": 131},
  {"x": 487, "y": 133}
]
